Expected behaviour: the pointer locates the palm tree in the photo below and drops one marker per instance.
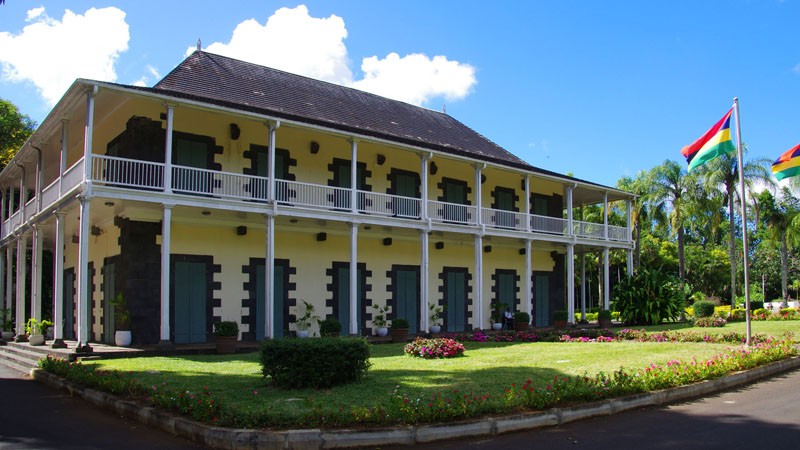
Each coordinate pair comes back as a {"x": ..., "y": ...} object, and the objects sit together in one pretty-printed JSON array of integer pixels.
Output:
[
  {"x": 640, "y": 214},
  {"x": 723, "y": 171},
  {"x": 671, "y": 184},
  {"x": 782, "y": 218}
]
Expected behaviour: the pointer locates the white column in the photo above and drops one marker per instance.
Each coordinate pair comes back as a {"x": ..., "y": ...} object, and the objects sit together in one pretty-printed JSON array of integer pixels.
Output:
[
  {"x": 605, "y": 215},
  {"x": 58, "y": 282},
  {"x": 23, "y": 193},
  {"x": 353, "y": 177},
  {"x": 629, "y": 220},
  {"x": 477, "y": 308},
  {"x": 62, "y": 159},
  {"x": 583, "y": 286},
  {"x": 10, "y": 203},
  {"x": 571, "y": 283},
  {"x": 37, "y": 189},
  {"x": 269, "y": 279},
  {"x": 630, "y": 261},
  {"x": 9, "y": 276},
  {"x": 271, "y": 161},
  {"x": 478, "y": 198},
  {"x": 527, "y": 203},
  {"x": 423, "y": 281},
  {"x": 6, "y": 302},
  {"x": 166, "y": 236},
  {"x": 424, "y": 159},
  {"x": 84, "y": 328},
  {"x": 88, "y": 132},
  {"x": 528, "y": 274},
  {"x": 606, "y": 290},
  {"x": 36, "y": 273},
  {"x": 570, "y": 226},
  {"x": 22, "y": 250},
  {"x": 354, "y": 325},
  {"x": 168, "y": 150}
]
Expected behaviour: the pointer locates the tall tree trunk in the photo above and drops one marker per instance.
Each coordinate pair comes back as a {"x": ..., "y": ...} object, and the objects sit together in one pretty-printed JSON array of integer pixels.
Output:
[
  {"x": 731, "y": 245},
  {"x": 784, "y": 270}
]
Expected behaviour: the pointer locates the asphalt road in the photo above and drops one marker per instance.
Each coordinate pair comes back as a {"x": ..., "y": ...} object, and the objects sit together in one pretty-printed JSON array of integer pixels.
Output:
[
  {"x": 764, "y": 415},
  {"x": 33, "y": 416}
]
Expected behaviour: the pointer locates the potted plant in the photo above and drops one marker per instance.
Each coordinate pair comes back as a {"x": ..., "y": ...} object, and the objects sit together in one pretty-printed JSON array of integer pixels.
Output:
[
  {"x": 497, "y": 315},
  {"x": 399, "y": 330},
  {"x": 521, "y": 321},
  {"x": 604, "y": 318},
  {"x": 435, "y": 317},
  {"x": 36, "y": 330},
  {"x": 122, "y": 320},
  {"x": 379, "y": 319},
  {"x": 7, "y": 324},
  {"x": 560, "y": 319},
  {"x": 226, "y": 336},
  {"x": 330, "y": 327},
  {"x": 303, "y": 323}
]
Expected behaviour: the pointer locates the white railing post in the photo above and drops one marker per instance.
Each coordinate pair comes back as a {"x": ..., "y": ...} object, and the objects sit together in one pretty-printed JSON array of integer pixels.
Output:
[
  {"x": 168, "y": 150},
  {"x": 424, "y": 159},
  {"x": 528, "y": 205},
  {"x": 478, "y": 196},
  {"x": 570, "y": 224},
  {"x": 62, "y": 158},
  {"x": 353, "y": 176},
  {"x": 605, "y": 215},
  {"x": 273, "y": 126},
  {"x": 88, "y": 135}
]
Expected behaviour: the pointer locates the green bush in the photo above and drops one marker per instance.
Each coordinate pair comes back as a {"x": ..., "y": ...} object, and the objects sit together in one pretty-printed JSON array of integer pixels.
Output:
[
  {"x": 648, "y": 297},
  {"x": 522, "y": 317},
  {"x": 761, "y": 311},
  {"x": 560, "y": 315},
  {"x": 226, "y": 329},
  {"x": 315, "y": 363},
  {"x": 330, "y": 326},
  {"x": 756, "y": 304},
  {"x": 399, "y": 323},
  {"x": 737, "y": 314},
  {"x": 703, "y": 308},
  {"x": 604, "y": 314}
]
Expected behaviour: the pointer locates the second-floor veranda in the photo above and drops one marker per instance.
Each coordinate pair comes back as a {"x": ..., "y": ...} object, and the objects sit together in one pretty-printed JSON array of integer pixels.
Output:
[{"x": 68, "y": 164}]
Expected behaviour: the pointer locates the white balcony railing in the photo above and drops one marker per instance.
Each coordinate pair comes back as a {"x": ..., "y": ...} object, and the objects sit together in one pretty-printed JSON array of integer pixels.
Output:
[
  {"x": 588, "y": 229},
  {"x": 128, "y": 173},
  {"x": 451, "y": 213},
  {"x": 113, "y": 171},
  {"x": 550, "y": 225},
  {"x": 496, "y": 218},
  {"x": 388, "y": 205}
]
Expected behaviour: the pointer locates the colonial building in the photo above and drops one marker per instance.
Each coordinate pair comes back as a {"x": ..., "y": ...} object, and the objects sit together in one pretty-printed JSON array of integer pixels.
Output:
[{"x": 232, "y": 191}]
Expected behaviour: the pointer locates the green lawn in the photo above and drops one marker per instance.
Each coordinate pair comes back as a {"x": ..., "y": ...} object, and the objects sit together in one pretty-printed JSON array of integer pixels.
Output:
[{"x": 486, "y": 368}]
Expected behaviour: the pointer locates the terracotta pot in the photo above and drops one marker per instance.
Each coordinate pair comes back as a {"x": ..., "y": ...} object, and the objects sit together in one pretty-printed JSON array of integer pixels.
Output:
[
  {"x": 226, "y": 344},
  {"x": 560, "y": 324},
  {"x": 520, "y": 326},
  {"x": 399, "y": 335},
  {"x": 604, "y": 323}
]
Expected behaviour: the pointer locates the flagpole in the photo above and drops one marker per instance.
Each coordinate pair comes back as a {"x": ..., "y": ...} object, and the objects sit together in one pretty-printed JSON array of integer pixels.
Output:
[{"x": 744, "y": 219}]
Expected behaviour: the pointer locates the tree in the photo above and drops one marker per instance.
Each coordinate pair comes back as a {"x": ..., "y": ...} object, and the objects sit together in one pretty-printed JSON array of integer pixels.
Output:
[
  {"x": 15, "y": 129},
  {"x": 723, "y": 171},
  {"x": 671, "y": 184},
  {"x": 782, "y": 218},
  {"x": 640, "y": 213}
]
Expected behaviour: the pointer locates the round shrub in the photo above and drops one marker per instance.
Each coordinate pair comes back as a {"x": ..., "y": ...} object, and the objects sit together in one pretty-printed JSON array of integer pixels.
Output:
[
  {"x": 737, "y": 315},
  {"x": 703, "y": 308},
  {"x": 315, "y": 363},
  {"x": 756, "y": 304},
  {"x": 434, "y": 348}
]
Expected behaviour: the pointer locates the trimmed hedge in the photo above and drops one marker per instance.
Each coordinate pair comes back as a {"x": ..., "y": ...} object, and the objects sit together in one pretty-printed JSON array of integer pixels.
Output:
[
  {"x": 703, "y": 308},
  {"x": 315, "y": 363}
]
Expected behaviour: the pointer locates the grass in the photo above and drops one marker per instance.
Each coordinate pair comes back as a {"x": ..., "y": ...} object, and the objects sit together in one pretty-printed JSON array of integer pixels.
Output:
[{"x": 486, "y": 368}]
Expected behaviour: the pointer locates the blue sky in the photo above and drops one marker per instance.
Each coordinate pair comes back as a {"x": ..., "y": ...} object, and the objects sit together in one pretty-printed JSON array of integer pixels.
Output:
[{"x": 601, "y": 89}]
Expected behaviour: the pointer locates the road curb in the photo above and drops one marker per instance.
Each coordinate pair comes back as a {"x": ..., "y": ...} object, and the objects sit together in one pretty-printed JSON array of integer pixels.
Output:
[{"x": 313, "y": 439}]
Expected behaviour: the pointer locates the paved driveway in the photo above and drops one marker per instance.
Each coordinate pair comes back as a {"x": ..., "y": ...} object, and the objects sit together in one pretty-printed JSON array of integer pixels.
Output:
[{"x": 33, "y": 416}]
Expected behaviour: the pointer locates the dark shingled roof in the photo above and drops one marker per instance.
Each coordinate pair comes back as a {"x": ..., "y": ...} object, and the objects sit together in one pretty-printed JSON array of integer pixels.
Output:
[{"x": 242, "y": 85}]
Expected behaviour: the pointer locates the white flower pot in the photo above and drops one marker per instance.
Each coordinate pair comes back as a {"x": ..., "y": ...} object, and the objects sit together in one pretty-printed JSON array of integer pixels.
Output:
[
  {"x": 8, "y": 335},
  {"x": 382, "y": 331},
  {"x": 436, "y": 329},
  {"x": 302, "y": 334},
  {"x": 122, "y": 338},
  {"x": 36, "y": 339},
  {"x": 497, "y": 326}
]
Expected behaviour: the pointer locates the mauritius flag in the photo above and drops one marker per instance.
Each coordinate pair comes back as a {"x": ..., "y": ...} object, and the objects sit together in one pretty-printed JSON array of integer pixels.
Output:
[
  {"x": 788, "y": 164},
  {"x": 716, "y": 141}
]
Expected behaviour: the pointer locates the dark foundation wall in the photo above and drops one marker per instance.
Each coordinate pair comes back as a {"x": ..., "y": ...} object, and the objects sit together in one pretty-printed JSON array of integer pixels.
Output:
[{"x": 139, "y": 277}]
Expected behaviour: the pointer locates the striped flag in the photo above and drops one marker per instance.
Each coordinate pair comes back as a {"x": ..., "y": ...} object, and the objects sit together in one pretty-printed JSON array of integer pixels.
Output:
[
  {"x": 788, "y": 164},
  {"x": 716, "y": 141}
]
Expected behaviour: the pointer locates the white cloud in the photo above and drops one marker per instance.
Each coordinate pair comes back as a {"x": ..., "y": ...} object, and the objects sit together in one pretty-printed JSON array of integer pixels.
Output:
[
  {"x": 52, "y": 54},
  {"x": 293, "y": 41},
  {"x": 147, "y": 79},
  {"x": 416, "y": 78},
  {"x": 796, "y": 69}
]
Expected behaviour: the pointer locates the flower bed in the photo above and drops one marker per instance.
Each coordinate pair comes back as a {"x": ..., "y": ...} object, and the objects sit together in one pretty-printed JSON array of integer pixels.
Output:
[{"x": 434, "y": 348}]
